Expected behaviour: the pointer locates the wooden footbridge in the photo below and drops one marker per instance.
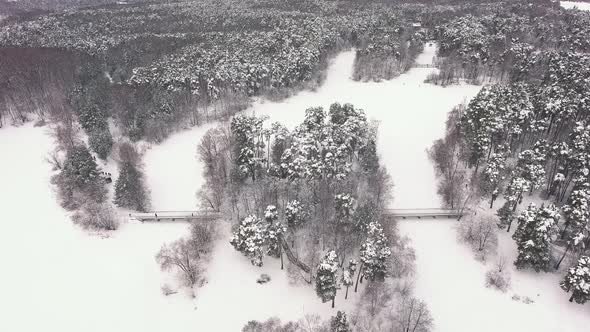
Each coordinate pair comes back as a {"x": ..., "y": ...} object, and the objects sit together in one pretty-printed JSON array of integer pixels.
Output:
[
  {"x": 423, "y": 65},
  {"x": 200, "y": 215},
  {"x": 175, "y": 216},
  {"x": 423, "y": 213}
]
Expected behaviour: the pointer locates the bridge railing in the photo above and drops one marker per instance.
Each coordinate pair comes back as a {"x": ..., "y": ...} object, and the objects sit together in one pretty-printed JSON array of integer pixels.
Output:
[
  {"x": 175, "y": 215},
  {"x": 423, "y": 213}
]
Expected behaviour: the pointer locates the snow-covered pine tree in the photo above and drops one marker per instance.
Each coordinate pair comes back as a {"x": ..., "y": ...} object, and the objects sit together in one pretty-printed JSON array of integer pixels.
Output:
[
  {"x": 374, "y": 253},
  {"x": 295, "y": 214},
  {"x": 493, "y": 174},
  {"x": 514, "y": 191},
  {"x": 506, "y": 214},
  {"x": 577, "y": 211},
  {"x": 339, "y": 323},
  {"x": 577, "y": 280},
  {"x": 274, "y": 233},
  {"x": 536, "y": 226},
  {"x": 363, "y": 216},
  {"x": 326, "y": 278},
  {"x": 101, "y": 142},
  {"x": 249, "y": 239},
  {"x": 531, "y": 165},
  {"x": 344, "y": 206},
  {"x": 248, "y": 144},
  {"x": 79, "y": 168},
  {"x": 130, "y": 190},
  {"x": 348, "y": 275},
  {"x": 577, "y": 219}
]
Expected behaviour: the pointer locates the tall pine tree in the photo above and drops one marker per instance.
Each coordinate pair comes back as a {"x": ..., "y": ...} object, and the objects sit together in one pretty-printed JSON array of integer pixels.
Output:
[
  {"x": 577, "y": 281},
  {"x": 533, "y": 236},
  {"x": 130, "y": 191},
  {"x": 326, "y": 279}
]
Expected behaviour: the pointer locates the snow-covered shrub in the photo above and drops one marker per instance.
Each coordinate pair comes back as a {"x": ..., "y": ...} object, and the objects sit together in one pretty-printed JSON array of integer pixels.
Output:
[
  {"x": 97, "y": 216},
  {"x": 271, "y": 325},
  {"x": 498, "y": 279},
  {"x": 167, "y": 290}
]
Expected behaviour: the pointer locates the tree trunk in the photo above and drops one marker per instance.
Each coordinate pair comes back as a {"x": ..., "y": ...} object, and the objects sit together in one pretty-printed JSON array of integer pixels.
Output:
[
  {"x": 293, "y": 259},
  {"x": 346, "y": 294},
  {"x": 358, "y": 277},
  {"x": 281, "y": 254},
  {"x": 562, "y": 256},
  {"x": 567, "y": 224},
  {"x": 333, "y": 301}
]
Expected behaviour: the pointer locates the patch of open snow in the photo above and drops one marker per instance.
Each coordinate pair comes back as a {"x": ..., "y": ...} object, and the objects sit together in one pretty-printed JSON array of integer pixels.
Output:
[
  {"x": 575, "y": 4},
  {"x": 56, "y": 277},
  {"x": 453, "y": 284},
  {"x": 173, "y": 170}
]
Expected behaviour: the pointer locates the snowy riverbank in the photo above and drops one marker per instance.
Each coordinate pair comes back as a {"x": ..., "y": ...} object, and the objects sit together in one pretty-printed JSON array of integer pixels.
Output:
[{"x": 113, "y": 284}]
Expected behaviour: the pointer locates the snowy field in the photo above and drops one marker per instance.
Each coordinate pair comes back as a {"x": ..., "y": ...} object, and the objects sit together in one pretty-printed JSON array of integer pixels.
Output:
[
  {"x": 575, "y": 4},
  {"x": 59, "y": 278}
]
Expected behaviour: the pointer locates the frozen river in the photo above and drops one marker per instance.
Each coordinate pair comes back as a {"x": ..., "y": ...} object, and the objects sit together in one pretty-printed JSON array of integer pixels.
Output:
[{"x": 113, "y": 284}]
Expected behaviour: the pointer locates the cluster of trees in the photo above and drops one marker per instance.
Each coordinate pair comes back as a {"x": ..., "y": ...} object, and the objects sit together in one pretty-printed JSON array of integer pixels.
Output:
[
  {"x": 524, "y": 137},
  {"x": 501, "y": 40},
  {"x": 310, "y": 323},
  {"x": 309, "y": 181},
  {"x": 155, "y": 66},
  {"x": 82, "y": 186},
  {"x": 388, "y": 51},
  {"x": 314, "y": 194}
]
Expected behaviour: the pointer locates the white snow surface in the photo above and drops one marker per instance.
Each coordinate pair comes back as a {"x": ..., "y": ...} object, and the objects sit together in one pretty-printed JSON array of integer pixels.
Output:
[
  {"x": 575, "y": 4},
  {"x": 57, "y": 277}
]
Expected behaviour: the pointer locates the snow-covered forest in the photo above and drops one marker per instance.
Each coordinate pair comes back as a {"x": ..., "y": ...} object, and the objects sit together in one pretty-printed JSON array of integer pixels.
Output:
[{"x": 281, "y": 165}]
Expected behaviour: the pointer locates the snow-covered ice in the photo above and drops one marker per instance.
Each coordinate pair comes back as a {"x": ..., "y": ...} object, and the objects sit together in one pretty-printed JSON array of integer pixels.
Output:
[{"x": 575, "y": 4}]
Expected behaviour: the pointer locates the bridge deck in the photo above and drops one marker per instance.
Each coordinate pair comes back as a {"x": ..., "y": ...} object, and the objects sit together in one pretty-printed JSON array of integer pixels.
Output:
[
  {"x": 174, "y": 215},
  {"x": 423, "y": 213}
]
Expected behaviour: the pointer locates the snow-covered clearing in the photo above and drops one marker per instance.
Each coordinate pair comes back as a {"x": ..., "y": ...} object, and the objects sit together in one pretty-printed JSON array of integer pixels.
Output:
[
  {"x": 59, "y": 278},
  {"x": 575, "y": 4},
  {"x": 56, "y": 277},
  {"x": 453, "y": 284}
]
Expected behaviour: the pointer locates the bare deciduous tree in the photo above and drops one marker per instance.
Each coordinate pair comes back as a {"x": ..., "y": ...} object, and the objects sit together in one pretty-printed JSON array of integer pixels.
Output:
[
  {"x": 480, "y": 234},
  {"x": 99, "y": 216},
  {"x": 187, "y": 255},
  {"x": 412, "y": 315}
]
